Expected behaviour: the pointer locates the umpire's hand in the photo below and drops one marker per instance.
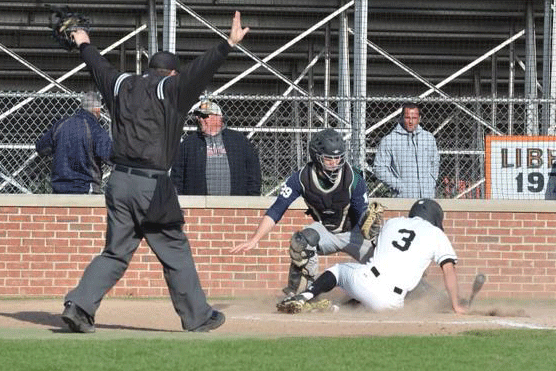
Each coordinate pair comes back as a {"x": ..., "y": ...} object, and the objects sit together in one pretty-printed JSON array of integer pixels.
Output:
[
  {"x": 80, "y": 36},
  {"x": 237, "y": 33}
]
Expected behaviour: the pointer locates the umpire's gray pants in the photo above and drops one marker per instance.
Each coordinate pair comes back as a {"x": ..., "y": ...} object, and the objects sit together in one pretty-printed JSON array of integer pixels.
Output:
[{"x": 127, "y": 199}]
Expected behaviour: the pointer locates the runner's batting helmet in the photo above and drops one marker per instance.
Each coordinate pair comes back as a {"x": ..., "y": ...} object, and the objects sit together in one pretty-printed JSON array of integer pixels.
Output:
[
  {"x": 429, "y": 210},
  {"x": 328, "y": 151}
]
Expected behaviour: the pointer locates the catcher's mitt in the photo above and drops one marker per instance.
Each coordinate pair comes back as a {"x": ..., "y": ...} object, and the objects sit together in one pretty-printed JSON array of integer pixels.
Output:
[
  {"x": 372, "y": 220},
  {"x": 63, "y": 22}
]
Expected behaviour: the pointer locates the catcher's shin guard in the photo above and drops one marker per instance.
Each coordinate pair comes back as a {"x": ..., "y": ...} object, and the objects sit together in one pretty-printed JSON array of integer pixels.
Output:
[
  {"x": 294, "y": 280},
  {"x": 299, "y": 278},
  {"x": 304, "y": 264}
]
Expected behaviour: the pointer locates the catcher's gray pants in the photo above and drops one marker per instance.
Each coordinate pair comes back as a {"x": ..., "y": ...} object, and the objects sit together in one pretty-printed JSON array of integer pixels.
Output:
[
  {"x": 351, "y": 242},
  {"x": 127, "y": 199}
]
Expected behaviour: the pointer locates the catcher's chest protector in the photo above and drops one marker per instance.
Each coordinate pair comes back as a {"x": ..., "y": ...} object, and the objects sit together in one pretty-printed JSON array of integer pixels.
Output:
[{"x": 331, "y": 206}]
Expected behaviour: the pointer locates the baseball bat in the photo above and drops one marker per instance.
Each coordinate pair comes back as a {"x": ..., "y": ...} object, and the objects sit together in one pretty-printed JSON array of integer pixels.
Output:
[{"x": 477, "y": 285}]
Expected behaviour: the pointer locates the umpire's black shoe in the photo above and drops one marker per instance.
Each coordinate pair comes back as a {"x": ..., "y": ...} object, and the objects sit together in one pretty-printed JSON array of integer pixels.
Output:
[
  {"x": 77, "y": 319},
  {"x": 215, "y": 320}
]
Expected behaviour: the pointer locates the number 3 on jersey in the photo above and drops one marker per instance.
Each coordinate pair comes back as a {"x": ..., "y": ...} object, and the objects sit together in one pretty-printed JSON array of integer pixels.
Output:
[{"x": 405, "y": 240}]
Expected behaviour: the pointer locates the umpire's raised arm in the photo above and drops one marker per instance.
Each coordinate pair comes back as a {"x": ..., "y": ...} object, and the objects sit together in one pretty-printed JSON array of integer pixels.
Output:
[
  {"x": 197, "y": 74},
  {"x": 193, "y": 79}
]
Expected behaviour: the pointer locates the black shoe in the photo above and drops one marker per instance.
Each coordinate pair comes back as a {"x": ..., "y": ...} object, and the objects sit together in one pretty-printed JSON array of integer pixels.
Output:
[
  {"x": 293, "y": 304},
  {"x": 77, "y": 319},
  {"x": 216, "y": 320}
]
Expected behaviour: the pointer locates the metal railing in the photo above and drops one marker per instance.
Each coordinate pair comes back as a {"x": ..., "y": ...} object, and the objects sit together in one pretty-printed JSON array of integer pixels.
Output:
[{"x": 281, "y": 126}]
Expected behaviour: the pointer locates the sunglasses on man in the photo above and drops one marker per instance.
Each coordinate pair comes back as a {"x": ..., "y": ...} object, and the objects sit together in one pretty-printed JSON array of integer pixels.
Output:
[{"x": 201, "y": 115}]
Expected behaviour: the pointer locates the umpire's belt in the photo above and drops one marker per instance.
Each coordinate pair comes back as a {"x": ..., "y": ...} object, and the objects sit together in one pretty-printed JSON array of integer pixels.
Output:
[
  {"x": 397, "y": 290},
  {"x": 153, "y": 174}
]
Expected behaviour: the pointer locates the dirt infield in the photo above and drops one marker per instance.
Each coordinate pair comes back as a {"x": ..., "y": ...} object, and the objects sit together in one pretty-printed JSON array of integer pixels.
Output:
[{"x": 258, "y": 317}]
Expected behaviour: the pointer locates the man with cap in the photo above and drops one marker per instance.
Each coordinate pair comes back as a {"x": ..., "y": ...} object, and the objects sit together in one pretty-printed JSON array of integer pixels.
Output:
[
  {"x": 405, "y": 248},
  {"x": 216, "y": 160},
  {"x": 79, "y": 146},
  {"x": 147, "y": 114}
]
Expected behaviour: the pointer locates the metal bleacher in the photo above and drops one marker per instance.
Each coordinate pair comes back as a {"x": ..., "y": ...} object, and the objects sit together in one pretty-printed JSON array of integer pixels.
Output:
[{"x": 434, "y": 38}]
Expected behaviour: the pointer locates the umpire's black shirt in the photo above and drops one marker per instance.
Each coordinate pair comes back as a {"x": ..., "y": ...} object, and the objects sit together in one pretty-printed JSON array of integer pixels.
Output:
[{"x": 148, "y": 110}]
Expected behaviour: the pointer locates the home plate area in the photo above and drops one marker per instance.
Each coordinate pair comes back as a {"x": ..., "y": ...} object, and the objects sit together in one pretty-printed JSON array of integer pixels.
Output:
[{"x": 259, "y": 317}]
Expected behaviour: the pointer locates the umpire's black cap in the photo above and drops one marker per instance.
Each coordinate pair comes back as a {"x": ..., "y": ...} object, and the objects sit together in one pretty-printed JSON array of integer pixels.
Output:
[
  {"x": 165, "y": 60},
  {"x": 429, "y": 210}
]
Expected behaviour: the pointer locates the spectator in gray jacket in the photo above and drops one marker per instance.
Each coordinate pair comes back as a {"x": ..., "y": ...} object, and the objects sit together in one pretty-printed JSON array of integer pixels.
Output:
[{"x": 407, "y": 159}]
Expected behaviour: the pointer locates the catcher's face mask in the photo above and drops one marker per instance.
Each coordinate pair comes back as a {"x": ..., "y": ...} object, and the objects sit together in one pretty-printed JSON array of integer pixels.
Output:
[{"x": 331, "y": 165}]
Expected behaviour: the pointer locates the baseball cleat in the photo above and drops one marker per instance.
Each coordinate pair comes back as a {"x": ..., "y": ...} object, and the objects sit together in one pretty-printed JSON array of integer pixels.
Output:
[
  {"x": 298, "y": 304},
  {"x": 292, "y": 304}
]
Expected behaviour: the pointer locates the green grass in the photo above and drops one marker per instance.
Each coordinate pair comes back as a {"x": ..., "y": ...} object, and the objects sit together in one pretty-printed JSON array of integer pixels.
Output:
[{"x": 506, "y": 350}]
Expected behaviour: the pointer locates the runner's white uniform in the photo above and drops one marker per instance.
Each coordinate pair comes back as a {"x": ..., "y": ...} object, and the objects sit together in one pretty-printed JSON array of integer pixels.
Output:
[{"x": 405, "y": 249}]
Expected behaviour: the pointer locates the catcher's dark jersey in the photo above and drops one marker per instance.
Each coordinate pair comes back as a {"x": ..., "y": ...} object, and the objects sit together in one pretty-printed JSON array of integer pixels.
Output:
[{"x": 293, "y": 188}]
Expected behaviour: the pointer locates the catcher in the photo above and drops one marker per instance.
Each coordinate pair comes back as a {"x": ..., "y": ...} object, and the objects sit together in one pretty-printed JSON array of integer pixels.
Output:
[{"x": 336, "y": 195}]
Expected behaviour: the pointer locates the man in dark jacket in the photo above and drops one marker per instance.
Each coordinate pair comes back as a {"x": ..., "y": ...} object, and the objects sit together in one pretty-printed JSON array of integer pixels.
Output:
[
  {"x": 147, "y": 115},
  {"x": 79, "y": 146},
  {"x": 216, "y": 160}
]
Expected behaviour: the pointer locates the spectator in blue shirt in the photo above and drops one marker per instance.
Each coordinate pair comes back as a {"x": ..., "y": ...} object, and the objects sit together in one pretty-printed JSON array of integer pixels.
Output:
[{"x": 78, "y": 146}]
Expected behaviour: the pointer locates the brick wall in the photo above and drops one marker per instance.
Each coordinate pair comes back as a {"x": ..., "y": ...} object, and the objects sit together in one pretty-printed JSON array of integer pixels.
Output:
[{"x": 47, "y": 241}]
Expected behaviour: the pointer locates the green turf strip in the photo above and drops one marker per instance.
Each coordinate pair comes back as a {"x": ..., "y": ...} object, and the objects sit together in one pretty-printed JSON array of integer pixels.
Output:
[{"x": 506, "y": 350}]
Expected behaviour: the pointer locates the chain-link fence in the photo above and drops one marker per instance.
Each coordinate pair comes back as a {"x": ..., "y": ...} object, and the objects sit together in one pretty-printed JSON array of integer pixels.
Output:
[
  {"x": 24, "y": 117},
  {"x": 281, "y": 127}
]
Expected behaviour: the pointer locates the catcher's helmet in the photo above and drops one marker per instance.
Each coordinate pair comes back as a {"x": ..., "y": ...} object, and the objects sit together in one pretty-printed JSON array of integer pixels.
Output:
[
  {"x": 429, "y": 210},
  {"x": 328, "y": 151}
]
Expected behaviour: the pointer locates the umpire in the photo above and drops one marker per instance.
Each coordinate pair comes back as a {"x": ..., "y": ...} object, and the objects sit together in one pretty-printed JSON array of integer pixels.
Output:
[{"x": 147, "y": 114}]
